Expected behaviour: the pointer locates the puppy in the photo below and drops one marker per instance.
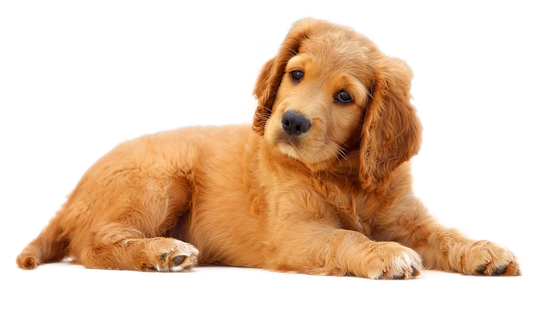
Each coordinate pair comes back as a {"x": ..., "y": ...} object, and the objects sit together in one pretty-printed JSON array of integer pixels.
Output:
[{"x": 319, "y": 184}]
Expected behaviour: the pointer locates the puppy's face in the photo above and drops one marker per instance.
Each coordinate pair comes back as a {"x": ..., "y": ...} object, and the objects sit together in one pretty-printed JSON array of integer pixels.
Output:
[
  {"x": 330, "y": 93},
  {"x": 320, "y": 102}
]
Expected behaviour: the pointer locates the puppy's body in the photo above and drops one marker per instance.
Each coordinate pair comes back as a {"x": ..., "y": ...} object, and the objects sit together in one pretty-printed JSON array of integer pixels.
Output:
[
  {"x": 148, "y": 183},
  {"x": 320, "y": 185}
]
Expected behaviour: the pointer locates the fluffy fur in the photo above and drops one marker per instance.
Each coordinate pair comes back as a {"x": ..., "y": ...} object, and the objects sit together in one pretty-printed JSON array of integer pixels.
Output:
[{"x": 335, "y": 199}]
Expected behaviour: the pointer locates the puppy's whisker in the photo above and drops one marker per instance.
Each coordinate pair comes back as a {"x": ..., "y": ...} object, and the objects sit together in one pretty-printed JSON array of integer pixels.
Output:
[
  {"x": 341, "y": 152},
  {"x": 264, "y": 116}
]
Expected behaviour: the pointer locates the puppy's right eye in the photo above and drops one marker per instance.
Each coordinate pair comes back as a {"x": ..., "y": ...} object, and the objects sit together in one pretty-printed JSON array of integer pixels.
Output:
[{"x": 297, "y": 76}]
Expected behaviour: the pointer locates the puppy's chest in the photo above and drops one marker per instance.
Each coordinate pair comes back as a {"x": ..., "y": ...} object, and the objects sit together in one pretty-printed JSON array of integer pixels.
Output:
[
  {"x": 340, "y": 201},
  {"x": 339, "y": 195},
  {"x": 347, "y": 204},
  {"x": 337, "y": 198}
]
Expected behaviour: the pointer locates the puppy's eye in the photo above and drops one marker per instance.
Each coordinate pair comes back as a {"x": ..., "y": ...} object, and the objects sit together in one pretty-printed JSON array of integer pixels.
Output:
[
  {"x": 297, "y": 76},
  {"x": 344, "y": 97}
]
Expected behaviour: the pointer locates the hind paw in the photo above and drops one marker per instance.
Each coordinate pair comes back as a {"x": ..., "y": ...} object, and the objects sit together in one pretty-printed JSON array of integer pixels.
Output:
[{"x": 173, "y": 256}]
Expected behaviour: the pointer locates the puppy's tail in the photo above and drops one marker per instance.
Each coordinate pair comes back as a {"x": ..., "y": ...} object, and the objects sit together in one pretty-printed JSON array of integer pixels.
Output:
[{"x": 49, "y": 246}]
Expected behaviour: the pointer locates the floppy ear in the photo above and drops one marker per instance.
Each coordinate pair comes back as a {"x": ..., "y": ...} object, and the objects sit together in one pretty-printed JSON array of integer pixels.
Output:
[
  {"x": 273, "y": 71},
  {"x": 265, "y": 92},
  {"x": 391, "y": 132}
]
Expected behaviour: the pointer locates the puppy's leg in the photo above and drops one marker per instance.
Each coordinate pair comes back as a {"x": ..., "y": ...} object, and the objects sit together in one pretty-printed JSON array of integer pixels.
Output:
[
  {"x": 315, "y": 249},
  {"x": 129, "y": 234},
  {"x": 441, "y": 248},
  {"x": 119, "y": 247}
]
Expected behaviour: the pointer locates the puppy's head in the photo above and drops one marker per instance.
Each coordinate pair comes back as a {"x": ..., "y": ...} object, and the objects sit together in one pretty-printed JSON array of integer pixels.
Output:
[{"x": 330, "y": 89}]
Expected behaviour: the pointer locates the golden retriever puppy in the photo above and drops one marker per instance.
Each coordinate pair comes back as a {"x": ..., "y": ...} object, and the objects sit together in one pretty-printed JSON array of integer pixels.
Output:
[{"x": 319, "y": 184}]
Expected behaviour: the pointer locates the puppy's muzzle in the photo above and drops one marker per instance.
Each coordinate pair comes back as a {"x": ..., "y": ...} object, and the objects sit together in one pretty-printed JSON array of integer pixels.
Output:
[{"x": 295, "y": 124}]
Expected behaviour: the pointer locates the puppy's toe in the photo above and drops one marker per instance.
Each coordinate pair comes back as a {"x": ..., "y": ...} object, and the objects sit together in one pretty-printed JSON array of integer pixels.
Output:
[
  {"x": 179, "y": 257},
  {"x": 486, "y": 258}
]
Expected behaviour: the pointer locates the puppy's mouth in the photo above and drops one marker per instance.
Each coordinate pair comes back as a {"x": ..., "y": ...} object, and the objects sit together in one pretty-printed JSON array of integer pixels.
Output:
[
  {"x": 302, "y": 148},
  {"x": 293, "y": 141},
  {"x": 289, "y": 145}
]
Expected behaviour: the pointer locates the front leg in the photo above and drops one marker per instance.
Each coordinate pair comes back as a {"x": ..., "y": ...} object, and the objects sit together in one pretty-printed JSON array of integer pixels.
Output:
[
  {"x": 326, "y": 251},
  {"x": 307, "y": 240},
  {"x": 409, "y": 223}
]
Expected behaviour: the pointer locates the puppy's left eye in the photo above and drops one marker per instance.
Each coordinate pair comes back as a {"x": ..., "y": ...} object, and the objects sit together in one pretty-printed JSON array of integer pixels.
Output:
[
  {"x": 297, "y": 76},
  {"x": 344, "y": 97}
]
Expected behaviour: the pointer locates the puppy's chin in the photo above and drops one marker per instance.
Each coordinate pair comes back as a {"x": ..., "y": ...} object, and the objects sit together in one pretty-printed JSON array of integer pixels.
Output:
[
  {"x": 312, "y": 159},
  {"x": 288, "y": 149}
]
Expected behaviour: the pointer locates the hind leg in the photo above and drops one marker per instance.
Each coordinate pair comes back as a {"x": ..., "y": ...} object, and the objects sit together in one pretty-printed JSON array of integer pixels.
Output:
[
  {"x": 131, "y": 234},
  {"x": 117, "y": 247},
  {"x": 122, "y": 209}
]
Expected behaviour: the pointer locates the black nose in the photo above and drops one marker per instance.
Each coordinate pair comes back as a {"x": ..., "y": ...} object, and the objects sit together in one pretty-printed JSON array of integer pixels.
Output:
[{"x": 295, "y": 124}]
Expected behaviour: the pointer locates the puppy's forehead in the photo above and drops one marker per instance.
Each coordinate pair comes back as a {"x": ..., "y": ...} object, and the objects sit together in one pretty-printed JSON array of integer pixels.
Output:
[{"x": 333, "y": 52}]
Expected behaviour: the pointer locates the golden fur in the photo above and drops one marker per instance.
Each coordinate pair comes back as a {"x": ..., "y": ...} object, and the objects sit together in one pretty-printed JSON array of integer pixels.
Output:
[{"x": 335, "y": 199}]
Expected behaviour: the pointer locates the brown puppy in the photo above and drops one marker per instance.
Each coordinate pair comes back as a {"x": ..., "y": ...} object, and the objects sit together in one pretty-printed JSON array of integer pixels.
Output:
[{"x": 319, "y": 184}]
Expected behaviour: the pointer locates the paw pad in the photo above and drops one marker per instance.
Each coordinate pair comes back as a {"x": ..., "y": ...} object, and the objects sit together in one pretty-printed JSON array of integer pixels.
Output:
[{"x": 177, "y": 260}]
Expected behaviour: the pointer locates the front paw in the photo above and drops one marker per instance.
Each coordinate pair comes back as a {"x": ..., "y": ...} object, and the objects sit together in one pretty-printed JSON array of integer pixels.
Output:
[
  {"x": 486, "y": 258},
  {"x": 389, "y": 260}
]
